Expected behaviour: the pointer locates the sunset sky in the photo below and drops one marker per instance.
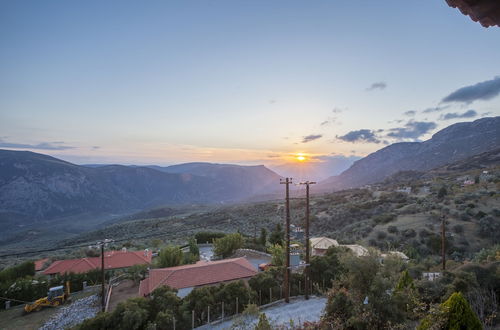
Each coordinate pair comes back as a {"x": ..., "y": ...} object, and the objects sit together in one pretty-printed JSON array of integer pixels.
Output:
[{"x": 249, "y": 82}]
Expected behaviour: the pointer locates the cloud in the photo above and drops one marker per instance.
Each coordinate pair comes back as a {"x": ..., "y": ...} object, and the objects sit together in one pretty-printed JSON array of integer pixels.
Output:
[
  {"x": 337, "y": 110},
  {"x": 96, "y": 147},
  {"x": 484, "y": 90},
  {"x": 362, "y": 135},
  {"x": 272, "y": 101},
  {"x": 311, "y": 137},
  {"x": 412, "y": 130},
  {"x": 435, "y": 109},
  {"x": 323, "y": 123},
  {"x": 39, "y": 146},
  {"x": 453, "y": 115},
  {"x": 377, "y": 85},
  {"x": 410, "y": 113}
]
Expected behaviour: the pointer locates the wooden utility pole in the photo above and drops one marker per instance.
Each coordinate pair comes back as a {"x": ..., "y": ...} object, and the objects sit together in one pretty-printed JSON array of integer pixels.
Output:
[
  {"x": 103, "y": 290},
  {"x": 287, "y": 183},
  {"x": 306, "y": 270},
  {"x": 443, "y": 242}
]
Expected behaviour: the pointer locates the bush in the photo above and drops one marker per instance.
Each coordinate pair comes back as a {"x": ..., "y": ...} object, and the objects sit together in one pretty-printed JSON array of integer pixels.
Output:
[
  {"x": 458, "y": 229},
  {"x": 409, "y": 233},
  {"x": 170, "y": 256},
  {"x": 225, "y": 246},
  {"x": 392, "y": 229},
  {"x": 207, "y": 236},
  {"x": 454, "y": 313},
  {"x": 381, "y": 234},
  {"x": 384, "y": 218}
]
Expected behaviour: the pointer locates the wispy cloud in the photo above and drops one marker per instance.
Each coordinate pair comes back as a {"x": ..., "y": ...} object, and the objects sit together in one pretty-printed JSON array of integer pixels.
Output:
[
  {"x": 454, "y": 115},
  {"x": 435, "y": 109},
  {"x": 485, "y": 90},
  {"x": 411, "y": 130},
  {"x": 362, "y": 135},
  {"x": 410, "y": 113},
  {"x": 311, "y": 137},
  {"x": 39, "y": 146},
  {"x": 381, "y": 85}
]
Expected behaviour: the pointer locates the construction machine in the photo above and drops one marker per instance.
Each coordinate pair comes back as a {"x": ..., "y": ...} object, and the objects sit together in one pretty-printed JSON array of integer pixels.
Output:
[{"x": 56, "y": 296}]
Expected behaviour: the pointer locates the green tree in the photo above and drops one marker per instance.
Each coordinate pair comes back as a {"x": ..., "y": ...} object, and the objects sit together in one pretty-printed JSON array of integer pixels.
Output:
[
  {"x": 137, "y": 272},
  {"x": 131, "y": 314},
  {"x": 442, "y": 192},
  {"x": 165, "y": 298},
  {"x": 454, "y": 314},
  {"x": 278, "y": 255},
  {"x": 170, "y": 256},
  {"x": 276, "y": 236},
  {"x": 263, "y": 236},
  {"x": 263, "y": 323},
  {"x": 405, "y": 281},
  {"x": 324, "y": 269},
  {"x": 225, "y": 246}
]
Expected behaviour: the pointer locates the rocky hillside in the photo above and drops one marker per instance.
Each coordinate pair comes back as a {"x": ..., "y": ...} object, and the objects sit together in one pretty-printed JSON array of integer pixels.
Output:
[
  {"x": 449, "y": 145},
  {"x": 35, "y": 187}
]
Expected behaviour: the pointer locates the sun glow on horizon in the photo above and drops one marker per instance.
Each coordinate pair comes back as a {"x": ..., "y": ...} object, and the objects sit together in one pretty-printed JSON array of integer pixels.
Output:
[{"x": 300, "y": 157}]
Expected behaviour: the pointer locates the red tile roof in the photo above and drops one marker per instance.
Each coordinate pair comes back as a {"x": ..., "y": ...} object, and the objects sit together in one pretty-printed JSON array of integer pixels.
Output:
[
  {"x": 112, "y": 260},
  {"x": 40, "y": 263},
  {"x": 198, "y": 274}
]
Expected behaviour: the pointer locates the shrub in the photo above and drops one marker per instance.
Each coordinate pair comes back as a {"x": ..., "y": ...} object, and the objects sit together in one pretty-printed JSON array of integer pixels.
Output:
[
  {"x": 458, "y": 229},
  {"x": 381, "y": 234},
  {"x": 408, "y": 233},
  {"x": 392, "y": 229},
  {"x": 384, "y": 218},
  {"x": 207, "y": 236},
  {"x": 454, "y": 313},
  {"x": 225, "y": 246},
  {"x": 170, "y": 256}
]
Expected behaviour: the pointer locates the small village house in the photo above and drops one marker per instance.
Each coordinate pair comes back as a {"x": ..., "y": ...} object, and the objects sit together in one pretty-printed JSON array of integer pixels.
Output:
[
  {"x": 319, "y": 245},
  {"x": 187, "y": 277},
  {"x": 113, "y": 260}
]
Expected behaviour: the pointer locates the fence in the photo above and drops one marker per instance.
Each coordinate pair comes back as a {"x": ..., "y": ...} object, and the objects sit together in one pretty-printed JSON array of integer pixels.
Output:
[{"x": 224, "y": 311}]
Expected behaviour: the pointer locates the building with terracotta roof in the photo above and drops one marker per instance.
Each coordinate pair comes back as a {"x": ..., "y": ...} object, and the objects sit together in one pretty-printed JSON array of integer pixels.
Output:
[
  {"x": 40, "y": 264},
  {"x": 187, "y": 277},
  {"x": 112, "y": 260}
]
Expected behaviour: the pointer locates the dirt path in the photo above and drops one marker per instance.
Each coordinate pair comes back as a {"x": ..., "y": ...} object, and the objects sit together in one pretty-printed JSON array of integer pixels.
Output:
[{"x": 124, "y": 290}]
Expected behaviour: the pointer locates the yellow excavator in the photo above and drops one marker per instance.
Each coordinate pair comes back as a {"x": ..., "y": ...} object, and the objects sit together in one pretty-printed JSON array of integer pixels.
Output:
[{"x": 56, "y": 296}]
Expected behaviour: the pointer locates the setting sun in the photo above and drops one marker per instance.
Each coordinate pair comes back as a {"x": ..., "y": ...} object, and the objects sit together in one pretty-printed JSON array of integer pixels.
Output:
[{"x": 300, "y": 157}]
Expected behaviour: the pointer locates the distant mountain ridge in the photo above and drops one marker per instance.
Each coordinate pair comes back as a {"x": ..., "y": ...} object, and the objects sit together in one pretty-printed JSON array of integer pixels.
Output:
[
  {"x": 451, "y": 144},
  {"x": 37, "y": 187}
]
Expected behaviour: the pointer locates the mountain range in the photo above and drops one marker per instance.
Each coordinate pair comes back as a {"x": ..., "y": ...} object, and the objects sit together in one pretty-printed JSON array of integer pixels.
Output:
[
  {"x": 36, "y": 188},
  {"x": 449, "y": 145}
]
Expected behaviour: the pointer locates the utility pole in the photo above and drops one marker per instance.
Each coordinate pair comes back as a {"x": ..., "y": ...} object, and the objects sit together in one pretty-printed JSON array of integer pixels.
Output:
[
  {"x": 103, "y": 291},
  {"x": 287, "y": 183},
  {"x": 103, "y": 271},
  {"x": 307, "y": 183},
  {"x": 443, "y": 242}
]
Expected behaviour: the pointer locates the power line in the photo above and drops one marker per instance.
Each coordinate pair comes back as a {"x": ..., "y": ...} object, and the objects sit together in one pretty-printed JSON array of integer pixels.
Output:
[{"x": 87, "y": 244}]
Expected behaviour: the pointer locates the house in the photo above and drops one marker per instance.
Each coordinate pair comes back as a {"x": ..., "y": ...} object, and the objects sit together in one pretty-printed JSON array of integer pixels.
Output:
[
  {"x": 431, "y": 276},
  {"x": 358, "y": 250},
  {"x": 319, "y": 245},
  {"x": 41, "y": 264},
  {"x": 406, "y": 190},
  {"x": 398, "y": 254},
  {"x": 187, "y": 277},
  {"x": 112, "y": 260}
]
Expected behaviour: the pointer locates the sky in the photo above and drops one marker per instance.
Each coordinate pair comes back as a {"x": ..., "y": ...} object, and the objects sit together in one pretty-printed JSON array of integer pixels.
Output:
[{"x": 247, "y": 82}]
